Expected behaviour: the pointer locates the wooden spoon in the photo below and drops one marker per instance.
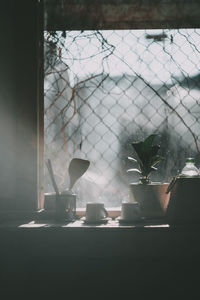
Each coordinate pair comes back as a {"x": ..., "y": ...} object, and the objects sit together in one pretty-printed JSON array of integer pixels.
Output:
[
  {"x": 77, "y": 168},
  {"x": 50, "y": 169}
]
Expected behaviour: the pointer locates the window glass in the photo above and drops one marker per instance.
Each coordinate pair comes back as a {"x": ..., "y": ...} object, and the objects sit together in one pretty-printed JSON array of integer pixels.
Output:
[{"x": 105, "y": 89}]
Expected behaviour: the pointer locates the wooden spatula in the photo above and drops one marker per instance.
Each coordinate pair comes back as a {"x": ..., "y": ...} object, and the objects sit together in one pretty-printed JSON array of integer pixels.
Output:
[{"x": 77, "y": 168}]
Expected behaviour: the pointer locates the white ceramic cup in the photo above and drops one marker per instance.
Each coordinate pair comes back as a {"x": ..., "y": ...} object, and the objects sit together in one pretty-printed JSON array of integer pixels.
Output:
[
  {"x": 130, "y": 211},
  {"x": 95, "y": 212}
]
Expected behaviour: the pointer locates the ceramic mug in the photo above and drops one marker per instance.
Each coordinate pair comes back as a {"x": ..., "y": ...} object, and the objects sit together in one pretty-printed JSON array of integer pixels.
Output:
[
  {"x": 130, "y": 211},
  {"x": 95, "y": 212},
  {"x": 63, "y": 205}
]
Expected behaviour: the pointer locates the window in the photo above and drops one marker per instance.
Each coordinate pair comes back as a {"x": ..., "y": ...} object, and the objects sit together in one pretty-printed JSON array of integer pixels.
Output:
[
  {"x": 106, "y": 88},
  {"x": 20, "y": 84}
]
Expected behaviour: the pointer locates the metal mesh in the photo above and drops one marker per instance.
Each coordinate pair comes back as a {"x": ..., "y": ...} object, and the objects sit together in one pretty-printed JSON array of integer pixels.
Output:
[{"x": 105, "y": 89}]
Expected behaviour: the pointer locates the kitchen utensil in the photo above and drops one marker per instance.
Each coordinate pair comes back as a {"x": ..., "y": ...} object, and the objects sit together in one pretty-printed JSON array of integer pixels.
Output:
[
  {"x": 50, "y": 169},
  {"x": 77, "y": 168}
]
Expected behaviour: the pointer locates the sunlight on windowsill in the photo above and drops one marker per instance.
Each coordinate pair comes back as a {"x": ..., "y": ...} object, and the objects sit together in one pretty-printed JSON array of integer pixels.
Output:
[{"x": 80, "y": 223}]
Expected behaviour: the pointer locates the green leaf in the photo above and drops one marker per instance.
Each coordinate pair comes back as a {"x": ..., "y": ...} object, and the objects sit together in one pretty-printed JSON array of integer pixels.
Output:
[
  {"x": 155, "y": 149},
  {"x": 149, "y": 140},
  {"x": 139, "y": 149},
  {"x": 132, "y": 159},
  {"x": 154, "y": 169},
  {"x": 156, "y": 159},
  {"x": 134, "y": 170},
  {"x": 147, "y": 156}
]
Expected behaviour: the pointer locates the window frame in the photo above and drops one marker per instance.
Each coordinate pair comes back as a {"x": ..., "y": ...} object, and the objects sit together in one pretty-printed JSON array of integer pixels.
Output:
[
  {"x": 66, "y": 14},
  {"x": 28, "y": 191}
]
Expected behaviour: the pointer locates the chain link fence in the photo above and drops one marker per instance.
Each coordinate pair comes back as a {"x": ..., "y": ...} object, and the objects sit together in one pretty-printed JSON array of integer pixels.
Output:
[{"x": 105, "y": 89}]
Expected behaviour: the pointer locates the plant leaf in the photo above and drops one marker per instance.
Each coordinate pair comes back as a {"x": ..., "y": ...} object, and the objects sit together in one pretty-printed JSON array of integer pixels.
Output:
[
  {"x": 149, "y": 140},
  {"x": 139, "y": 149},
  {"x": 147, "y": 156},
  {"x": 154, "y": 150},
  {"x": 132, "y": 159},
  {"x": 156, "y": 159},
  {"x": 134, "y": 170},
  {"x": 154, "y": 169}
]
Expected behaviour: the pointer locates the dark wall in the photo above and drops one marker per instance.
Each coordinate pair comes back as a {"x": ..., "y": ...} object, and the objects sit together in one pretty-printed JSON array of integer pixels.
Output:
[
  {"x": 99, "y": 264},
  {"x": 18, "y": 100}
]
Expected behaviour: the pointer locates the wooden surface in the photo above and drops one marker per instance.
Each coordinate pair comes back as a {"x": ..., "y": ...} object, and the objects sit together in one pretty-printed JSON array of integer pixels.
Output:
[
  {"x": 111, "y": 240},
  {"x": 121, "y": 14}
]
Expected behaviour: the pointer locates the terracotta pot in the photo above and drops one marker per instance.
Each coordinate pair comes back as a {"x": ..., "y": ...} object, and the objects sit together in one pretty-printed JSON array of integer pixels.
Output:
[{"x": 152, "y": 198}]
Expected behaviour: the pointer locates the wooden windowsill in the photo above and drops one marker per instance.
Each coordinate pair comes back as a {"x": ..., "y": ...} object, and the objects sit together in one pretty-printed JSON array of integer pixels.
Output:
[{"x": 39, "y": 219}]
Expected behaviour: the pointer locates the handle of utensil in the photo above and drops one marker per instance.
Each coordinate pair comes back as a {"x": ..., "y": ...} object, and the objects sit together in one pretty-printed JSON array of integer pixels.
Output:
[
  {"x": 172, "y": 183},
  {"x": 50, "y": 169},
  {"x": 105, "y": 211}
]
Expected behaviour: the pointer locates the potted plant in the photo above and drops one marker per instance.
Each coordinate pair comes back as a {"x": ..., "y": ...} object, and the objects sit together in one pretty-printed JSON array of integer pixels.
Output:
[{"x": 150, "y": 195}]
